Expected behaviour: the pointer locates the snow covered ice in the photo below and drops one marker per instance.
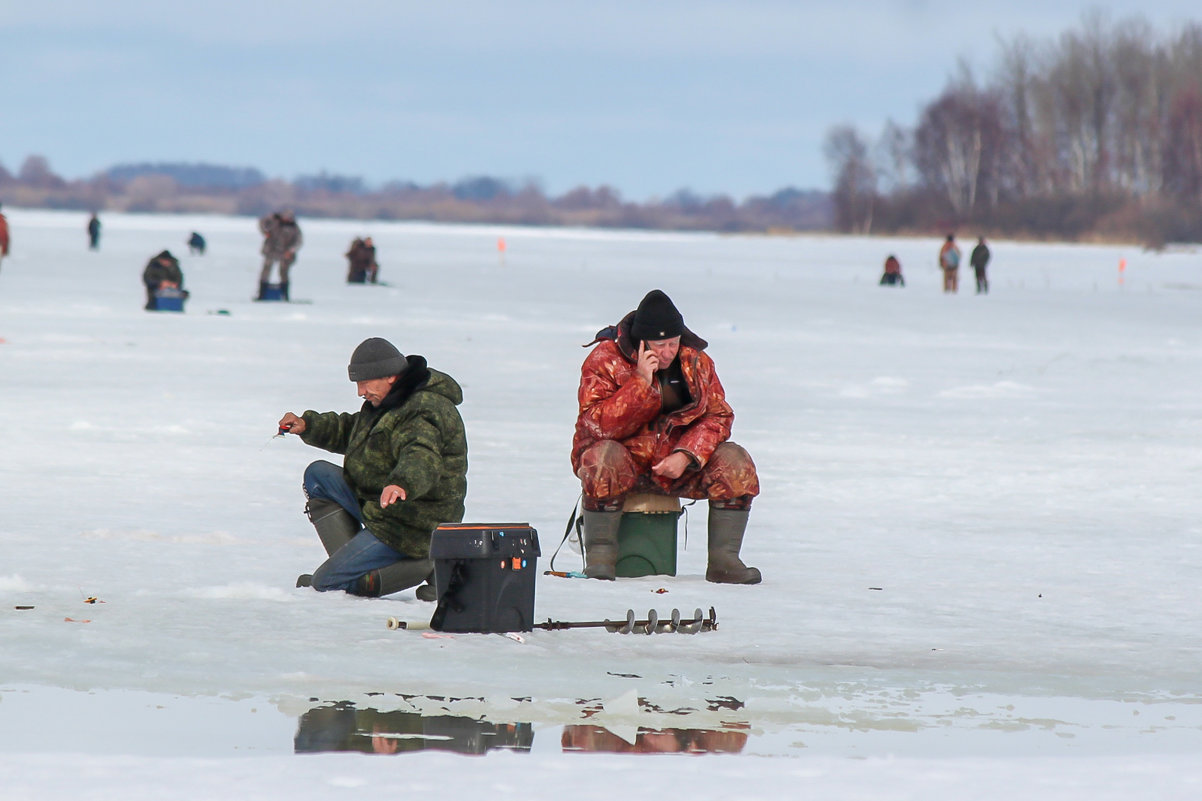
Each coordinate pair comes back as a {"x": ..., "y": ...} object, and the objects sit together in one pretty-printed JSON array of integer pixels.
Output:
[{"x": 979, "y": 526}]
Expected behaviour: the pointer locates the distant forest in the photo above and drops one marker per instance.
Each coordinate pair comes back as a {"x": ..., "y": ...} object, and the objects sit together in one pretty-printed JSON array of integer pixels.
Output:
[
  {"x": 214, "y": 189},
  {"x": 1094, "y": 136}
]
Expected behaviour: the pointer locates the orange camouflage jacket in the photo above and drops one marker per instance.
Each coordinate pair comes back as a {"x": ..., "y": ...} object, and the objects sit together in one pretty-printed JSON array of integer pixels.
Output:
[{"x": 616, "y": 404}]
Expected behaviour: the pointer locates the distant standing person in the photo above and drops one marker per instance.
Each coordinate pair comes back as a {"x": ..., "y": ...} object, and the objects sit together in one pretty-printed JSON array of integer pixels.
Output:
[
  {"x": 196, "y": 244},
  {"x": 281, "y": 239},
  {"x": 949, "y": 262},
  {"x": 94, "y": 232},
  {"x": 361, "y": 258},
  {"x": 3, "y": 237},
  {"x": 979, "y": 259},
  {"x": 893, "y": 274}
]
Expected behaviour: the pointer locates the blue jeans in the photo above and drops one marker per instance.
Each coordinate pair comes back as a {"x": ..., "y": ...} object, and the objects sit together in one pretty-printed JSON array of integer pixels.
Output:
[{"x": 364, "y": 552}]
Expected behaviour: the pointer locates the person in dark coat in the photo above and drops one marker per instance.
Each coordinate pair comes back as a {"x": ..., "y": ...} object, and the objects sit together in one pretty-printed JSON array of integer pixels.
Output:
[
  {"x": 893, "y": 274},
  {"x": 94, "y": 232},
  {"x": 979, "y": 259},
  {"x": 161, "y": 272},
  {"x": 196, "y": 244}
]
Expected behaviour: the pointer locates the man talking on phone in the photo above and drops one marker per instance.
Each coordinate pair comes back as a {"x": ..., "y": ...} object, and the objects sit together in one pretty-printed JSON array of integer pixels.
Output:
[{"x": 654, "y": 418}]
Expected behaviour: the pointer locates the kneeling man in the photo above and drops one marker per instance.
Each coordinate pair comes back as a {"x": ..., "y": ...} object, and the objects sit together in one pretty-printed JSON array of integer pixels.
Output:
[{"x": 404, "y": 472}]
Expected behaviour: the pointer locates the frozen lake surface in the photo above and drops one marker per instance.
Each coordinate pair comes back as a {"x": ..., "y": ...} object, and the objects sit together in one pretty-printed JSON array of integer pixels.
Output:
[{"x": 979, "y": 527}]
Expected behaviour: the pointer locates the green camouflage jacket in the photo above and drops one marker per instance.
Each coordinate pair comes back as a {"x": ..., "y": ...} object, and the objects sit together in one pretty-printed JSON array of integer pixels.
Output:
[{"x": 414, "y": 439}]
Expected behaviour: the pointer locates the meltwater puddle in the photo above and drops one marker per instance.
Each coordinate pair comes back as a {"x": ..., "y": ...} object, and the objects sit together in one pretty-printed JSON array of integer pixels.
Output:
[
  {"x": 842, "y": 721},
  {"x": 56, "y": 720}
]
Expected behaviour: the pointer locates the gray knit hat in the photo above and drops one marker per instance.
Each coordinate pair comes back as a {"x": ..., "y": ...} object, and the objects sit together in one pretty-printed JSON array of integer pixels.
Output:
[{"x": 376, "y": 358}]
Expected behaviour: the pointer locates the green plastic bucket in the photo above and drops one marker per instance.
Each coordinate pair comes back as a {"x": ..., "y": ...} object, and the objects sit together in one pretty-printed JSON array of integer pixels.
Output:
[{"x": 647, "y": 544}]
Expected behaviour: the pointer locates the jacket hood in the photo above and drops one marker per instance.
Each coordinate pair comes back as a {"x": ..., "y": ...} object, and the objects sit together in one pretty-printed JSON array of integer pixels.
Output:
[
  {"x": 420, "y": 378},
  {"x": 629, "y": 346}
]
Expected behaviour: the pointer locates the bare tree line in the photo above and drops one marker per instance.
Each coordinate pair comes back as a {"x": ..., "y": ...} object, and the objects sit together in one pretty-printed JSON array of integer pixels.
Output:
[
  {"x": 192, "y": 188},
  {"x": 1097, "y": 134}
]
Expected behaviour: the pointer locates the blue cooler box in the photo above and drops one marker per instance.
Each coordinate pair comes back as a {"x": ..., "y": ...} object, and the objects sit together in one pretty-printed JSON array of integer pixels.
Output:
[
  {"x": 169, "y": 299},
  {"x": 273, "y": 292}
]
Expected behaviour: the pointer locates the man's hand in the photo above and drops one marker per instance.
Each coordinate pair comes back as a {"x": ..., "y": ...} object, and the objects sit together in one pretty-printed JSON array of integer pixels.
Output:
[
  {"x": 647, "y": 364},
  {"x": 391, "y": 494},
  {"x": 673, "y": 465},
  {"x": 292, "y": 424}
]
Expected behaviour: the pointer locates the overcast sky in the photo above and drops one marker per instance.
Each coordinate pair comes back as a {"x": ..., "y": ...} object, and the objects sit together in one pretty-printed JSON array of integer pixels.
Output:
[{"x": 648, "y": 96}]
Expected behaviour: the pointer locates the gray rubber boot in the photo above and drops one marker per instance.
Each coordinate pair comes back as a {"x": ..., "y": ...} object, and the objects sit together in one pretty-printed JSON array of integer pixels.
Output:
[
  {"x": 395, "y": 577},
  {"x": 427, "y": 592},
  {"x": 601, "y": 544},
  {"x": 335, "y": 525},
  {"x": 726, "y": 527}
]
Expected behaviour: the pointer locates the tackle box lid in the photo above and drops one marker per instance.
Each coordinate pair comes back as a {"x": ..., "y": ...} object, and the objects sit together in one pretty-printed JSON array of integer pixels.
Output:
[{"x": 483, "y": 540}]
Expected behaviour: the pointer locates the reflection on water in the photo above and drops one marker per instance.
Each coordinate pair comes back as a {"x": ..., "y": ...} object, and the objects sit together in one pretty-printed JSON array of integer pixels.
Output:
[
  {"x": 653, "y": 741},
  {"x": 341, "y": 726},
  {"x": 858, "y": 719}
]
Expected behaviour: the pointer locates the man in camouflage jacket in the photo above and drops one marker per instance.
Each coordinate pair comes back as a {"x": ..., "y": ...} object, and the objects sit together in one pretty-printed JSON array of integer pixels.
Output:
[
  {"x": 654, "y": 418},
  {"x": 404, "y": 472}
]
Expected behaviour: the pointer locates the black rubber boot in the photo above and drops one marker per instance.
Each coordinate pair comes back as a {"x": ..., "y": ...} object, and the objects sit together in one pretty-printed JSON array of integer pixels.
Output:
[
  {"x": 284, "y": 289},
  {"x": 726, "y": 528},
  {"x": 395, "y": 577},
  {"x": 262, "y": 290},
  {"x": 601, "y": 544},
  {"x": 335, "y": 525}
]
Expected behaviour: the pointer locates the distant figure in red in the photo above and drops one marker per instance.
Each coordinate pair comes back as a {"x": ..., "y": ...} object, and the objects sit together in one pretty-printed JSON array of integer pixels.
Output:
[
  {"x": 949, "y": 262},
  {"x": 3, "y": 237},
  {"x": 892, "y": 273}
]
